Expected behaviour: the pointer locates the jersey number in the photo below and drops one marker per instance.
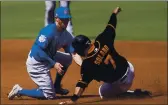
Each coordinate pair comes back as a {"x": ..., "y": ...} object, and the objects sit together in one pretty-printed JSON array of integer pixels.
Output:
[{"x": 109, "y": 59}]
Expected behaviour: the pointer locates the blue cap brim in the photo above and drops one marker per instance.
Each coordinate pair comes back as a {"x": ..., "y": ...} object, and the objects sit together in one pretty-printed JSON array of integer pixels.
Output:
[{"x": 64, "y": 17}]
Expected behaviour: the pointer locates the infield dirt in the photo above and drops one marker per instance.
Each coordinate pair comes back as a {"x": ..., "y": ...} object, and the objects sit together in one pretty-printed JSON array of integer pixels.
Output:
[{"x": 149, "y": 60}]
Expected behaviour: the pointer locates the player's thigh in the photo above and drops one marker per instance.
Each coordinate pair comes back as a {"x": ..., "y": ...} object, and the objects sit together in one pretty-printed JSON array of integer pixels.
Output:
[
  {"x": 108, "y": 90},
  {"x": 129, "y": 75},
  {"x": 120, "y": 86},
  {"x": 44, "y": 81},
  {"x": 63, "y": 58}
]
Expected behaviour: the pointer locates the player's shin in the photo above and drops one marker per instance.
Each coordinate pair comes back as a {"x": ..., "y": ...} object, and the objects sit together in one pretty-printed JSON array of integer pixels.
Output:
[
  {"x": 34, "y": 93},
  {"x": 59, "y": 78}
]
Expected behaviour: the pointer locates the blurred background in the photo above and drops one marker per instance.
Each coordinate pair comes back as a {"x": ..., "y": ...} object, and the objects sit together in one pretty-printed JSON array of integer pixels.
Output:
[{"x": 140, "y": 20}]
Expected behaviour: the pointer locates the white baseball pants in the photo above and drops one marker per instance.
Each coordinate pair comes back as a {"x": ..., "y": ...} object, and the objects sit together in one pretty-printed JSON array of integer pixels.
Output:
[
  {"x": 107, "y": 90},
  {"x": 40, "y": 72}
]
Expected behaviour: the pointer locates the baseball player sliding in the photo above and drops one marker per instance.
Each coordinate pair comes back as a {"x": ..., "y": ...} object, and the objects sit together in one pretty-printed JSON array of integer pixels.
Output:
[
  {"x": 44, "y": 55},
  {"x": 102, "y": 63}
]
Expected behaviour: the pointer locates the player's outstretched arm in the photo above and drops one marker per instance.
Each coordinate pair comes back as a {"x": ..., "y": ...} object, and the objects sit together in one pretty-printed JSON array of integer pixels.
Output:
[
  {"x": 80, "y": 88},
  {"x": 78, "y": 92},
  {"x": 113, "y": 18},
  {"x": 117, "y": 10},
  {"x": 77, "y": 58}
]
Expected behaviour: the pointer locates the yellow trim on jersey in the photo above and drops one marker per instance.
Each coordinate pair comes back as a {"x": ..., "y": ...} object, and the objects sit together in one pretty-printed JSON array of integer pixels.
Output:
[
  {"x": 111, "y": 26},
  {"x": 82, "y": 82},
  {"x": 94, "y": 53},
  {"x": 91, "y": 48}
]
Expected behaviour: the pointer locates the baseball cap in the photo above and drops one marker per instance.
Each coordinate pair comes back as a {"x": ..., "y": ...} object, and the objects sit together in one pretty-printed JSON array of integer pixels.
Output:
[{"x": 62, "y": 12}]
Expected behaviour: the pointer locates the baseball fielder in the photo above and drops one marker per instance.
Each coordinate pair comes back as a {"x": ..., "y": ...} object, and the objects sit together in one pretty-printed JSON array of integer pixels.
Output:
[
  {"x": 49, "y": 13},
  {"x": 102, "y": 63},
  {"x": 44, "y": 55}
]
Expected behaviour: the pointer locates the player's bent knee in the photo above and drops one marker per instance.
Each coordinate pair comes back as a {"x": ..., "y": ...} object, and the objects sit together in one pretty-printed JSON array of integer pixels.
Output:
[
  {"x": 108, "y": 90},
  {"x": 100, "y": 93},
  {"x": 49, "y": 96},
  {"x": 104, "y": 91},
  {"x": 69, "y": 61},
  {"x": 48, "y": 92}
]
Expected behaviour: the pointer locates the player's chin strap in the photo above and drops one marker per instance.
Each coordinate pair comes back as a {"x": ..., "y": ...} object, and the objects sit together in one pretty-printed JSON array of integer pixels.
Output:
[{"x": 78, "y": 60}]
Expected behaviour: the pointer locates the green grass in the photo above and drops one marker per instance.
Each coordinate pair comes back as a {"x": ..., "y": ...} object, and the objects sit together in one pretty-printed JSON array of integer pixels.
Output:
[{"x": 141, "y": 20}]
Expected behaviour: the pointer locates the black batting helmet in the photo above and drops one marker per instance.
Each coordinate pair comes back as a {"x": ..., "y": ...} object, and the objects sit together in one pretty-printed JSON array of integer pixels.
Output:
[{"x": 80, "y": 44}]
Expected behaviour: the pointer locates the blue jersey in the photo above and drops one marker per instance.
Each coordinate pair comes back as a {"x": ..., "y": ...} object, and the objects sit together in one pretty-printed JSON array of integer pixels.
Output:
[{"x": 48, "y": 42}]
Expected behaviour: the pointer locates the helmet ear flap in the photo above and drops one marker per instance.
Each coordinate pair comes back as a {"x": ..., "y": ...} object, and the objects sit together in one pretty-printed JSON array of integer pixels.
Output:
[{"x": 88, "y": 43}]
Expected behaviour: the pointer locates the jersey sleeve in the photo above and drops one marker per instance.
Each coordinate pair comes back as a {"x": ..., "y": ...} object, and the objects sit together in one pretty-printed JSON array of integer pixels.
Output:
[
  {"x": 113, "y": 21},
  {"x": 42, "y": 41},
  {"x": 68, "y": 48},
  {"x": 111, "y": 26},
  {"x": 86, "y": 78},
  {"x": 108, "y": 34}
]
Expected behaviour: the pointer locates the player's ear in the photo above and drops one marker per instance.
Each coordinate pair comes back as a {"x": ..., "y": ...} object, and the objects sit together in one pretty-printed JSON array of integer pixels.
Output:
[{"x": 56, "y": 19}]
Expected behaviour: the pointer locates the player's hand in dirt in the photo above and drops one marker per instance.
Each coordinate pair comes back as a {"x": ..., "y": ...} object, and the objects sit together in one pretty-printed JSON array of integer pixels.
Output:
[
  {"x": 117, "y": 10},
  {"x": 69, "y": 102},
  {"x": 58, "y": 67}
]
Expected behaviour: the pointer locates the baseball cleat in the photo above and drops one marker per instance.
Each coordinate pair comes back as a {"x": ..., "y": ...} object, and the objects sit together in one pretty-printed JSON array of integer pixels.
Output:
[
  {"x": 14, "y": 92},
  {"x": 61, "y": 91},
  {"x": 137, "y": 93},
  {"x": 141, "y": 93}
]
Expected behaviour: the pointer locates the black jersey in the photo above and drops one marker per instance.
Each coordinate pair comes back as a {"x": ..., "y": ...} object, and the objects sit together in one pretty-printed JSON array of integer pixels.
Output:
[{"x": 103, "y": 63}]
